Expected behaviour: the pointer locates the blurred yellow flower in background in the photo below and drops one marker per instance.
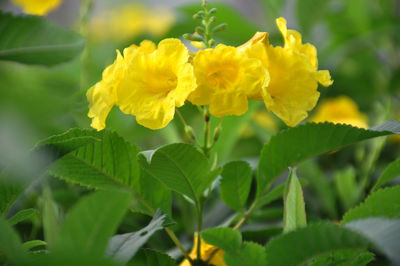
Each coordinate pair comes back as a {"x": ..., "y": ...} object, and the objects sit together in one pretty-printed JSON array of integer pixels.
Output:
[
  {"x": 206, "y": 251},
  {"x": 294, "y": 75},
  {"x": 261, "y": 118},
  {"x": 156, "y": 81},
  {"x": 37, "y": 7},
  {"x": 342, "y": 110},
  {"x": 226, "y": 79},
  {"x": 130, "y": 20}
]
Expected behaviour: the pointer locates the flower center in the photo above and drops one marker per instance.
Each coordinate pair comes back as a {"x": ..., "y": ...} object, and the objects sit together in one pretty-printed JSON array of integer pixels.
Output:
[
  {"x": 222, "y": 77},
  {"x": 163, "y": 82}
]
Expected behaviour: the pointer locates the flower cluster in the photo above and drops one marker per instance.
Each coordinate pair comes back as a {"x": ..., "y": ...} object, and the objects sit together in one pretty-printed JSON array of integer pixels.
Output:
[{"x": 149, "y": 83}]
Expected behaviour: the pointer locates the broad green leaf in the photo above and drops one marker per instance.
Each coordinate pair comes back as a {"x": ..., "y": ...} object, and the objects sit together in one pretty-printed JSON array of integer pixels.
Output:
[
  {"x": 51, "y": 217},
  {"x": 91, "y": 222},
  {"x": 33, "y": 244},
  {"x": 10, "y": 244},
  {"x": 294, "y": 215},
  {"x": 35, "y": 40},
  {"x": 123, "y": 247},
  {"x": 225, "y": 238},
  {"x": 391, "y": 172},
  {"x": 383, "y": 233},
  {"x": 22, "y": 215},
  {"x": 383, "y": 202},
  {"x": 348, "y": 257},
  {"x": 345, "y": 182},
  {"x": 314, "y": 240},
  {"x": 45, "y": 152},
  {"x": 235, "y": 184},
  {"x": 149, "y": 257},
  {"x": 112, "y": 163},
  {"x": 294, "y": 145},
  {"x": 249, "y": 254},
  {"x": 181, "y": 168}
]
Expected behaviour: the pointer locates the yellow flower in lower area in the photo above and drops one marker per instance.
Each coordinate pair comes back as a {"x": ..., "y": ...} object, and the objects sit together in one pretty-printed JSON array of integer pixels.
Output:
[
  {"x": 37, "y": 7},
  {"x": 206, "y": 251},
  {"x": 226, "y": 79},
  {"x": 156, "y": 81},
  {"x": 103, "y": 95},
  {"x": 294, "y": 74},
  {"x": 340, "y": 110}
]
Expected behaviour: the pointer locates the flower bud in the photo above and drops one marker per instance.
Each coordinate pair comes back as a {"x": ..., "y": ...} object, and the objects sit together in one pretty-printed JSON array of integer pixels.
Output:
[
  {"x": 211, "y": 42},
  {"x": 220, "y": 27},
  {"x": 192, "y": 37},
  {"x": 212, "y": 11},
  {"x": 212, "y": 19},
  {"x": 199, "y": 30},
  {"x": 217, "y": 133},
  {"x": 199, "y": 15},
  {"x": 190, "y": 132}
]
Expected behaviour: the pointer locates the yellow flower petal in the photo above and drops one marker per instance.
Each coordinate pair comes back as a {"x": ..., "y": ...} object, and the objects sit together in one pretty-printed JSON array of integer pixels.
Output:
[
  {"x": 156, "y": 82},
  {"x": 226, "y": 78},
  {"x": 37, "y": 7},
  {"x": 102, "y": 96},
  {"x": 342, "y": 110}
]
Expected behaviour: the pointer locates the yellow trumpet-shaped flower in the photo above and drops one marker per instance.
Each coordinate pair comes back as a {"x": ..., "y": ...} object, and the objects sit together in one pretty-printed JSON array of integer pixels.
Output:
[
  {"x": 37, "y": 7},
  {"x": 342, "y": 110},
  {"x": 156, "y": 81},
  {"x": 103, "y": 95},
  {"x": 294, "y": 74},
  {"x": 226, "y": 79},
  {"x": 206, "y": 251}
]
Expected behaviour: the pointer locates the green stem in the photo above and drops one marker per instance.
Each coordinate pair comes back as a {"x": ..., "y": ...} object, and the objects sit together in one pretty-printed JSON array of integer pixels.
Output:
[
  {"x": 86, "y": 9},
  {"x": 206, "y": 147}
]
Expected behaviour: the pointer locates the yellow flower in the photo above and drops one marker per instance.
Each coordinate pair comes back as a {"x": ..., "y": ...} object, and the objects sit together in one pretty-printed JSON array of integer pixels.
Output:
[
  {"x": 226, "y": 79},
  {"x": 156, "y": 82},
  {"x": 130, "y": 20},
  {"x": 342, "y": 110},
  {"x": 103, "y": 96},
  {"x": 206, "y": 251},
  {"x": 294, "y": 75},
  {"x": 37, "y": 7}
]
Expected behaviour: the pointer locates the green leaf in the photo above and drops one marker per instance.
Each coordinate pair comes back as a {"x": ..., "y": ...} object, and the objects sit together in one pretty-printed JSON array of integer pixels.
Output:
[
  {"x": 148, "y": 257},
  {"x": 345, "y": 182},
  {"x": 248, "y": 255},
  {"x": 235, "y": 184},
  {"x": 51, "y": 217},
  {"x": 35, "y": 40},
  {"x": 12, "y": 184},
  {"x": 10, "y": 244},
  {"x": 112, "y": 163},
  {"x": 348, "y": 257},
  {"x": 123, "y": 247},
  {"x": 22, "y": 215},
  {"x": 391, "y": 172},
  {"x": 33, "y": 244},
  {"x": 294, "y": 145},
  {"x": 181, "y": 168},
  {"x": 314, "y": 240},
  {"x": 383, "y": 202},
  {"x": 90, "y": 224},
  {"x": 294, "y": 215},
  {"x": 383, "y": 233},
  {"x": 225, "y": 238}
]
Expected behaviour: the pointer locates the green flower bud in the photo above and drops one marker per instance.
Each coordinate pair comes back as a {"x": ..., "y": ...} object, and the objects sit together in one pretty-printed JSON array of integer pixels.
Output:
[
  {"x": 220, "y": 27},
  {"x": 191, "y": 37}
]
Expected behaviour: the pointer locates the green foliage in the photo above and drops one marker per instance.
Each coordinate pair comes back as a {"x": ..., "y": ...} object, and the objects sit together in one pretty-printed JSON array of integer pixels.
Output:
[
  {"x": 347, "y": 257},
  {"x": 294, "y": 214},
  {"x": 314, "y": 240},
  {"x": 10, "y": 244},
  {"x": 123, "y": 247},
  {"x": 383, "y": 202},
  {"x": 33, "y": 244},
  {"x": 149, "y": 257},
  {"x": 223, "y": 237},
  {"x": 22, "y": 215},
  {"x": 307, "y": 7},
  {"x": 391, "y": 172},
  {"x": 235, "y": 184},
  {"x": 173, "y": 166},
  {"x": 296, "y": 144},
  {"x": 51, "y": 217},
  {"x": 345, "y": 182},
  {"x": 35, "y": 40}
]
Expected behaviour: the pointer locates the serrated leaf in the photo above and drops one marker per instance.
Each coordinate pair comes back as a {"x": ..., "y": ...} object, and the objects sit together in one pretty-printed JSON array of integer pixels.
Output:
[
  {"x": 383, "y": 202},
  {"x": 294, "y": 215},
  {"x": 111, "y": 163},
  {"x": 181, "y": 168},
  {"x": 349, "y": 257},
  {"x": 249, "y": 254},
  {"x": 149, "y": 257},
  {"x": 10, "y": 244},
  {"x": 314, "y": 240},
  {"x": 391, "y": 172},
  {"x": 12, "y": 184},
  {"x": 235, "y": 184},
  {"x": 291, "y": 146},
  {"x": 35, "y": 40},
  {"x": 33, "y": 244},
  {"x": 383, "y": 233},
  {"x": 123, "y": 247},
  {"x": 22, "y": 215},
  {"x": 91, "y": 222}
]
